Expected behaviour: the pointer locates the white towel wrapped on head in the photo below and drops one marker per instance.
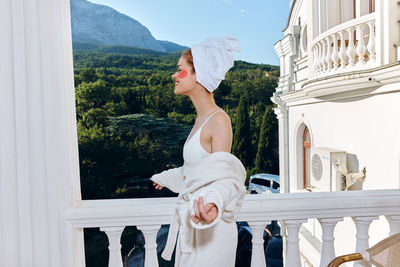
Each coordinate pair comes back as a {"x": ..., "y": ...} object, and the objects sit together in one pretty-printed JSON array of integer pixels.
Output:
[{"x": 212, "y": 58}]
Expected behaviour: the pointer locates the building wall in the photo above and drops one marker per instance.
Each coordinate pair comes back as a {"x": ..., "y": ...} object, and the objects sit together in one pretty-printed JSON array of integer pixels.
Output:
[{"x": 366, "y": 128}]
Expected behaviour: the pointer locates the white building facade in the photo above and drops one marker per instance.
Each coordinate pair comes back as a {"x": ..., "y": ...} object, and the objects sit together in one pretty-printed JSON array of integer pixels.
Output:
[{"x": 339, "y": 105}]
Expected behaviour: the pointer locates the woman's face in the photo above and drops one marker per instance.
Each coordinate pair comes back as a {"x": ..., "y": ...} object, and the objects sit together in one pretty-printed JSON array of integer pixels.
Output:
[{"x": 185, "y": 79}]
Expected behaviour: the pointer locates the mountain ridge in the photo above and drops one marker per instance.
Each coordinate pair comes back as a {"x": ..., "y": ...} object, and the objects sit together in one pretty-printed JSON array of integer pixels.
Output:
[{"x": 102, "y": 25}]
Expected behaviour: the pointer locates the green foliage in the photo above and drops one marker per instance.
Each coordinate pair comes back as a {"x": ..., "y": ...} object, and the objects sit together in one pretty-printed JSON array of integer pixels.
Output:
[
  {"x": 267, "y": 159},
  {"x": 115, "y": 91},
  {"x": 242, "y": 135}
]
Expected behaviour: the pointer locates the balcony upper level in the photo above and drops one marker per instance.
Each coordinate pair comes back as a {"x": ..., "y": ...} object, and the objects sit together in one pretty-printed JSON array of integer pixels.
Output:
[{"x": 346, "y": 42}]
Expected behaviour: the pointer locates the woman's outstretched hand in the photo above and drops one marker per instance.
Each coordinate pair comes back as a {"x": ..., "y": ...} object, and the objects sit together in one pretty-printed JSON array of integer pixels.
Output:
[
  {"x": 157, "y": 186},
  {"x": 204, "y": 213}
]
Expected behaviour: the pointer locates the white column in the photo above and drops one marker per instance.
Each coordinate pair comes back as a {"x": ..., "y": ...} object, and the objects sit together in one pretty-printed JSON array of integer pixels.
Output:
[
  {"x": 282, "y": 116},
  {"x": 257, "y": 254},
  {"x": 362, "y": 8},
  {"x": 292, "y": 257},
  {"x": 394, "y": 224},
  {"x": 328, "y": 246},
  {"x": 39, "y": 167},
  {"x": 386, "y": 31},
  {"x": 114, "y": 238},
  {"x": 362, "y": 226},
  {"x": 322, "y": 16},
  {"x": 150, "y": 237}
]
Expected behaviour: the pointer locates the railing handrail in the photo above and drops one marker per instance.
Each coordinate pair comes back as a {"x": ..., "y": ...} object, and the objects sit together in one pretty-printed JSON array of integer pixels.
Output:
[
  {"x": 345, "y": 25},
  {"x": 152, "y": 211}
]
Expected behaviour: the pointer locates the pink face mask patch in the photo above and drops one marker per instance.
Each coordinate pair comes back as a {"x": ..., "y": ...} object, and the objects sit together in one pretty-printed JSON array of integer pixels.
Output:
[{"x": 182, "y": 74}]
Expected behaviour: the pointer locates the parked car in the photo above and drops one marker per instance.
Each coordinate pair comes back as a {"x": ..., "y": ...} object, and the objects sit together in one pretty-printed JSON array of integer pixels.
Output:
[{"x": 264, "y": 183}]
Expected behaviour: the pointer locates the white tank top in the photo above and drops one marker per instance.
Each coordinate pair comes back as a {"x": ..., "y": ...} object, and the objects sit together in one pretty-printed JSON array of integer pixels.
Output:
[{"x": 193, "y": 151}]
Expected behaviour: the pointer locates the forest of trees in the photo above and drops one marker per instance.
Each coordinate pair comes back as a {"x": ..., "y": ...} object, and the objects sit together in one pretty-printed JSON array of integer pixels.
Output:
[{"x": 131, "y": 125}]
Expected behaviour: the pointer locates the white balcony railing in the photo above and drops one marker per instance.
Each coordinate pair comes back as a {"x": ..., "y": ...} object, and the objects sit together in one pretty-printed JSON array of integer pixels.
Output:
[
  {"x": 292, "y": 210},
  {"x": 347, "y": 47}
]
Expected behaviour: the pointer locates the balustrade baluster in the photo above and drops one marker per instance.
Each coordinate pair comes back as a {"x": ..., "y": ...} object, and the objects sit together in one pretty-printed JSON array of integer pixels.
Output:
[
  {"x": 114, "y": 237},
  {"x": 323, "y": 54},
  {"x": 150, "y": 237},
  {"x": 319, "y": 58},
  {"x": 328, "y": 246},
  {"x": 342, "y": 51},
  {"x": 335, "y": 54},
  {"x": 351, "y": 51},
  {"x": 362, "y": 226},
  {"x": 394, "y": 224},
  {"x": 257, "y": 254},
  {"x": 328, "y": 56},
  {"x": 292, "y": 257},
  {"x": 371, "y": 41},
  {"x": 361, "y": 48},
  {"x": 314, "y": 60}
]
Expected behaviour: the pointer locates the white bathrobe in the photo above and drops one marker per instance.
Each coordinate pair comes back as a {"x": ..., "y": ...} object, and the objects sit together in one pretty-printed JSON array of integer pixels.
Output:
[{"x": 219, "y": 178}]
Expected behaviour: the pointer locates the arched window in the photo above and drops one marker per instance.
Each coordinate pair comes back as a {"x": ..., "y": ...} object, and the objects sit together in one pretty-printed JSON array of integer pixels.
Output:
[{"x": 306, "y": 157}]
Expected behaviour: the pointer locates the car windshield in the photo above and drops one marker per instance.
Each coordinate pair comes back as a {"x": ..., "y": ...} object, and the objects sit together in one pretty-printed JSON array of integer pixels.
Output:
[{"x": 262, "y": 182}]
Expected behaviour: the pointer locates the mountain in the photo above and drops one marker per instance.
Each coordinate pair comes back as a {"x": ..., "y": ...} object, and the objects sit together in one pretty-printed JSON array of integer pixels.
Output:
[
  {"x": 100, "y": 24},
  {"x": 114, "y": 49},
  {"x": 172, "y": 47}
]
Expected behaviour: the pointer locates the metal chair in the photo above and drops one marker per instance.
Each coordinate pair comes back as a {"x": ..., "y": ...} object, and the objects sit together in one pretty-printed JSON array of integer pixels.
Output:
[{"x": 386, "y": 253}]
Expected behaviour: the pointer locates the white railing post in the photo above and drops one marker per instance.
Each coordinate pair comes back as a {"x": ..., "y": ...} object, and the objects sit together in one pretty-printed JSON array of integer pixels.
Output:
[
  {"x": 342, "y": 51},
  {"x": 328, "y": 57},
  {"x": 150, "y": 237},
  {"x": 257, "y": 254},
  {"x": 351, "y": 51},
  {"x": 362, "y": 226},
  {"x": 292, "y": 257},
  {"x": 394, "y": 224},
  {"x": 114, "y": 237},
  {"x": 361, "y": 48},
  {"x": 335, "y": 53},
  {"x": 328, "y": 246},
  {"x": 371, "y": 41}
]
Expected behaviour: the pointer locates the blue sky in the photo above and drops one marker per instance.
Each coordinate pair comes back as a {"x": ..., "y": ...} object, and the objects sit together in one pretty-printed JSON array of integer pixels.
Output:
[{"x": 257, "y": 24}]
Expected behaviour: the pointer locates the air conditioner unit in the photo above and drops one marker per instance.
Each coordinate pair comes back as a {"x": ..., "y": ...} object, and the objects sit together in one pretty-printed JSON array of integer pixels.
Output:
[{"x": 326, "y": 166}]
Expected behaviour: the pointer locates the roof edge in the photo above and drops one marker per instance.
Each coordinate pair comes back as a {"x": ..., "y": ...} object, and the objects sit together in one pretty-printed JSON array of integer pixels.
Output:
[{"x": 290, "y": 14}]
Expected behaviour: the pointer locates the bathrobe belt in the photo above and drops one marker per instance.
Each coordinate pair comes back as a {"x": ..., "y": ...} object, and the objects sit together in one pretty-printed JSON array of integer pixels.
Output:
[{"x": 180, "y": 222}]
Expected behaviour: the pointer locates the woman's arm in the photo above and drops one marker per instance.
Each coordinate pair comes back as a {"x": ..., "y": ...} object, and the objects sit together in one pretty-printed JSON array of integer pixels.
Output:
[
  {"x": 171, "y": 178},
  {"x": 219, "y": 130}
]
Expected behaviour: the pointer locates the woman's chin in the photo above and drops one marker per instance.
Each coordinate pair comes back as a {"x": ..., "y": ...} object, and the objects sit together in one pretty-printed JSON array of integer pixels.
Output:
[{"x": 178, "y": 91}]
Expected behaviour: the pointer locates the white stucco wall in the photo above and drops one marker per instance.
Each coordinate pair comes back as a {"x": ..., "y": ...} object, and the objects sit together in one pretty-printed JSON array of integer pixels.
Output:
[{"x": 367, "y": 128}]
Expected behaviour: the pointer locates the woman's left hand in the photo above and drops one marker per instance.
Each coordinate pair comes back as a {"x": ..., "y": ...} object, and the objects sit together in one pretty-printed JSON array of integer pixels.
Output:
[{"x": 204, "y": 213}]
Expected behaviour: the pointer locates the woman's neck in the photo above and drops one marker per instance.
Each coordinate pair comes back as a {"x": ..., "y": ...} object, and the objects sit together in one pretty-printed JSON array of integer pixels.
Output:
[{"x": 203, "y": 102}]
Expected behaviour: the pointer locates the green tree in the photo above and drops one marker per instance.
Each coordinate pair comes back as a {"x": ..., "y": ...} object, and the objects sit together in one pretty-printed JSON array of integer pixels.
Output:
[
  {"x": 242, "y": 137},
  {"x": 267, "y": 159}
]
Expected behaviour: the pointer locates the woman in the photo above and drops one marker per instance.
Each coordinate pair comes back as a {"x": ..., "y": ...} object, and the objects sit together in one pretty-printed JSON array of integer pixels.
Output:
[{"x": 211, "y": 181}]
